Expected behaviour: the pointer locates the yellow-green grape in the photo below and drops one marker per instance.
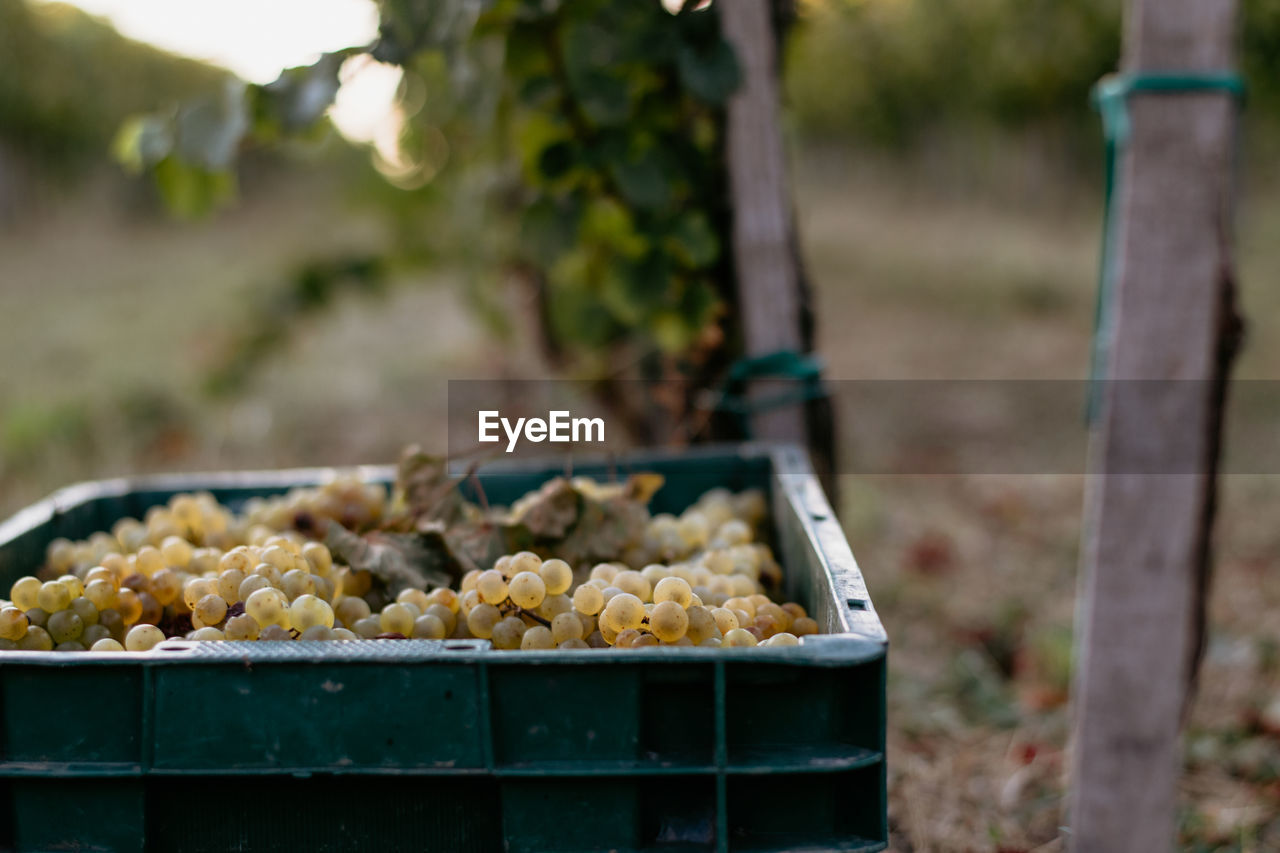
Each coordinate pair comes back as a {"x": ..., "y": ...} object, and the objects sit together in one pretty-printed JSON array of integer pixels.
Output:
[
  {"x": 397, "y": 618},
  {"x": 573, "y": 643},
  {"x": 492, "y": 587},
  {"x": 112, "y": 621},
  {"x": 239, "y": 558},
  {"x": 759, "y": 599},
  {"x": 319, "y": 557},
  {"x": 701, "y": 624},
  {"x": 673, "y": 589},
  {"x": 644, "y": 640},
  {"x": 481, "y": 619},
  {"x": 317, "y": 634},
  {"x": 566, "y": 626},
  {"x": 205, "y": 561},
  {"x": 739, "y": 637},
  {"x": 470, "y": 599},
  {"x": 351, "y": 610},
  {"x": 625, "y": 639},
  {"x": 782, "y": 638},
  {"x": 102, "y": 593},
  {"x": 556, "y": 575},
  {"x": 725, "y": 618},
  {"x": 446, "y": 616},
  {"x": 85, "y": 609},
  {"x": 196, "y": 589},
  {"x": 36, "y": 639},
  {"x": 527, "y": 590},
  {"x": 741, "y": 585},
  {"x": 54, "y": 596},
  {"x": 208, "y": 634},
  {"x": 296, "y": 583},
  {"x": 655, "y": 572},
  {"x": 537, "y": 637},
  {"x": 228, "y": 584},
  {"x": 287, "y": 542},
  {"x": 508, "y": 632},
  {"x": 176, "y": 552},
  {"x": 588, "y": 599},
  {"x": 106, "y": 644},
  {"x": 274, "y": 634},
  {"x": 102, "y": 573},
  {"x": 241, "y": 628},
  {"x": 130, "y": 533},
  {"x": 166, "y": 586},
  {"x": 279, "y": 557},
  {"x": 149, "y": 610},
  {"x": 683, "y": 641},
  {"x": 368, "y": 627},
  {"x": 148, "y": 560},
  {"x": 13, "y": 624},
  {"x": 94, "y": 633},
  {"x": 469, "y": 581},
  {"x": 268, "y": 607},
  {"x": 668, "y": 621},
  {"x": 309, "y": 610},
  {"x": 38, "y": 616},
  {"x": 604, "y": 572},
  {"x": 623, "y": 611},
  {"x": 143, "y": 638},
  {"x": 596, "y": 640},
  {"x": 252, "y": 584},
  {"x": 780, "y": 617},
  {"x": 416, "y": 597},
  {"x": 60, "y": 554},
  {"x": 344, "y": 634},
  {"x": 804, "y": 626},
  {"x": 325, "y": 587},
  {"x": 553, "y": 605},
  {"x": 428, "y": 627},
  {"x": 523, "y": 561},
  {"x": 210, "y": 610},
  {"x": 117, "y": 564},
  {"x": 609, "y": 592},
  {"x": 69, "y": 646},
  {"x": 270, "y": 573},
  {"x": 633, "y": 583},
  {"x": 609, "y": 635},
  {"x": 444, "y": 597},
  {"x": 744, "y": 604}
]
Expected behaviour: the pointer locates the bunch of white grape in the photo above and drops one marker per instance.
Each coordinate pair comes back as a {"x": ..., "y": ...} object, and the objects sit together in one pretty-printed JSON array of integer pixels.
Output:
[
  {"x": 525, "y": 602},
  {"x": 193, "y": 569},
  {"x": 354, "y": 504},
  {"x": 719, "y": 520}
]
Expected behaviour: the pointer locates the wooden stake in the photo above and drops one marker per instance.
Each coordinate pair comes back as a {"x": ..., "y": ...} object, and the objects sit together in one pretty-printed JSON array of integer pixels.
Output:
[
  {"x": 1149, "y": 514},
  {"x": 769, "y": 297}
]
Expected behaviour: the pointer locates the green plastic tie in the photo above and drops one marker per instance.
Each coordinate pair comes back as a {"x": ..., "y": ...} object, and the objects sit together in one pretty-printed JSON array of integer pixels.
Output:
[
  {"x": 805, "y": 369},
  {"x": 1110, "y": 97}
]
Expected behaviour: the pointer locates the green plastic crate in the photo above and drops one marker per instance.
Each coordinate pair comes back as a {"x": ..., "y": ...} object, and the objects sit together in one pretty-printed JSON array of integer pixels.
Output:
[{"x": 450, "y": 745}]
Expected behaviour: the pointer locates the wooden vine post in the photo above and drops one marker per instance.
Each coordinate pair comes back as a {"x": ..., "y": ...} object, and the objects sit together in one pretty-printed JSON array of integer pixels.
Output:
[
  {"x": 770, "y": 299},
  {"x": 1150, "y": 505}
]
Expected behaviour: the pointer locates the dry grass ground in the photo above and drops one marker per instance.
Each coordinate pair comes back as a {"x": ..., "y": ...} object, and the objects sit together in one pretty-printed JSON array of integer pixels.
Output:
[{"x": 109, "y": 323}]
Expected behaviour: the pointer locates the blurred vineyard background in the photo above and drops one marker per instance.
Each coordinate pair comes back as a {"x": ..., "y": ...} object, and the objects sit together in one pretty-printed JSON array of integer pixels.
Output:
[{"x": 947, "y": 174}]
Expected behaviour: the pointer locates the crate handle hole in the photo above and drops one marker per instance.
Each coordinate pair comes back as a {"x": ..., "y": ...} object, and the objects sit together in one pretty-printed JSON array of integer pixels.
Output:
[
  {"x": 176, "y": 647},
  {"x": 857, "y": 603}
]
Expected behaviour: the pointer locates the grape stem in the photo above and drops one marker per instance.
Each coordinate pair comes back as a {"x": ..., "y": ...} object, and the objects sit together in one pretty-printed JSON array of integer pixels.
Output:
[{"x": 534, "y": 616}]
